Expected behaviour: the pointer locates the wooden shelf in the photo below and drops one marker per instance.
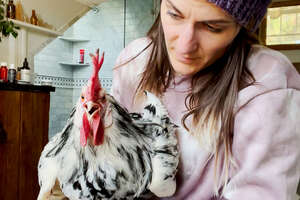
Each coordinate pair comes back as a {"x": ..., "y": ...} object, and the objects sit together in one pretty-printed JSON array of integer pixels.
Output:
[
  {"x": 71, "y": 39},
  {"x": 74, "y": 64},
  {"x": 35, "y": 28}
]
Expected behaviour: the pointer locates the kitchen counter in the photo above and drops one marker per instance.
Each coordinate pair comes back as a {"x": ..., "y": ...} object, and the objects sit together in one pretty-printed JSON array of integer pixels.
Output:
[
  {"x": 26, "y": 87},
  {"x": 24, "y": 124}
]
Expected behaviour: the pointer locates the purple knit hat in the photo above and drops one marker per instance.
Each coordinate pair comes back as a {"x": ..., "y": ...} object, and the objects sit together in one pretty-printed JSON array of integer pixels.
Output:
[{"x": 248, "y": 13}]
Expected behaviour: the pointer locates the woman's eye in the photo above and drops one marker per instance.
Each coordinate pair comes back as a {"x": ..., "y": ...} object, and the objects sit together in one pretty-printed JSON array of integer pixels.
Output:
[
  {"x": 213, "y": 29},
  {"x": 173, "y": 15}
]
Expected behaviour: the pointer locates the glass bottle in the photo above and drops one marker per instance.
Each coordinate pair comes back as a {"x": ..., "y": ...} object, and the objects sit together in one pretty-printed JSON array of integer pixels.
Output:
[
  {"x": 19, "y": 11},
  {"x": 81, "y": 58},
  {"x": 11, "y": 10},
  {"x": 18, "y": 75},
  {"x": 33, "y": 18},
  {"x": 25, "y": 64},
  {"x": 12, "y": 72},
  {"x": 3, "y": 72}
]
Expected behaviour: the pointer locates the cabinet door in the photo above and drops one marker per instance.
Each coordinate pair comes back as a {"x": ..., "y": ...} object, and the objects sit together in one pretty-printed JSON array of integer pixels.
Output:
[
  {"x": 33, "y": 137},
  {"x": 9, "y": 144}
]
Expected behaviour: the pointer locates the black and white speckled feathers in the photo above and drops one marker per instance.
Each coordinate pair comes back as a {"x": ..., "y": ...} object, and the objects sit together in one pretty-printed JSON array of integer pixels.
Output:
[{"x": 139, "y": 154}]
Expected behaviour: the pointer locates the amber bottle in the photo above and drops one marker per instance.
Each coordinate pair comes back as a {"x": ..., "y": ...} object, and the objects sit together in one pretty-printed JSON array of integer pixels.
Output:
[
  {"x": 33, "y": 18},
  {"x": 19, "y": 11},
  {"x": 11, "y": 10}
]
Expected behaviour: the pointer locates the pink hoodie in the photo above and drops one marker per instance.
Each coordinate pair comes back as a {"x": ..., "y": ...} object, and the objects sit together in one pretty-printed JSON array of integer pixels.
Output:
[{"x": 266, "y": 143}]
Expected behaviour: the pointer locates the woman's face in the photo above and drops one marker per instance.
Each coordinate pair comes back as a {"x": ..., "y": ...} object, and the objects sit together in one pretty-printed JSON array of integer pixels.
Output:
[{"x": 196, "y": 33}]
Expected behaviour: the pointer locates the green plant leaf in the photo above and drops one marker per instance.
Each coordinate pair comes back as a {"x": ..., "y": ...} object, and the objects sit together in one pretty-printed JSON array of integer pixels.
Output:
[
  {"x": 15, "y": 34},
  {"x": 6, "y": 27}
]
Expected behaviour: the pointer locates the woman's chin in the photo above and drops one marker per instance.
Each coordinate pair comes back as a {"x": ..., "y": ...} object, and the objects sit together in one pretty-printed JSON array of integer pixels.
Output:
[{"x": 186, "y": 69}]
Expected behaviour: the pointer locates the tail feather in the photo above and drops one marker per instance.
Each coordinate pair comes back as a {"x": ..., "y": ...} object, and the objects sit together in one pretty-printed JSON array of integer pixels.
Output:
[
  {"x": 154, "y": 110},
  {"x": 165, "y": 156}
]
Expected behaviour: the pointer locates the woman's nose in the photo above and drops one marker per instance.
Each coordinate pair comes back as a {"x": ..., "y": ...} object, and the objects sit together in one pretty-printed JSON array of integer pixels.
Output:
[{"x": 188, "y": 42}]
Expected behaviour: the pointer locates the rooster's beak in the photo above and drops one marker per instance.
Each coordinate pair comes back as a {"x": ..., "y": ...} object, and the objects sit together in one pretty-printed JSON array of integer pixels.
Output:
[{"x": 91, "y": 108}]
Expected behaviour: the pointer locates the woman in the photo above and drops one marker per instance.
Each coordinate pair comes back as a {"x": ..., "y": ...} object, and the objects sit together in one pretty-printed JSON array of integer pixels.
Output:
[{"x": 238, "y": 103}]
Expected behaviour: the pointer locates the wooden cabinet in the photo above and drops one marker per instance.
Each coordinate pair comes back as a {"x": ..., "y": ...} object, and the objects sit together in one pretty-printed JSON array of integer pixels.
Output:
[{"x": 24, "y": 118}]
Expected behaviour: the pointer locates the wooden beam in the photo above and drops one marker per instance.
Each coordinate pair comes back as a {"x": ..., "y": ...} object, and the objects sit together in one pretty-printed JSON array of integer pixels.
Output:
[
  {"x": 285, "y": 46},
  {"x": 285, "y": 3}
]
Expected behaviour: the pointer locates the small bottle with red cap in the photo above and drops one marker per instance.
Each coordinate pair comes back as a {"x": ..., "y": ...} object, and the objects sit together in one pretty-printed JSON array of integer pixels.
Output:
[{"x": 81, "y": 58}]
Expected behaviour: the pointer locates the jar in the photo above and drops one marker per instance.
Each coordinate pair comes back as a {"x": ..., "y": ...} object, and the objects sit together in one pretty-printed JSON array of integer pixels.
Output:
[
  {"x": 26, "y": 75},
  {"x": 3, "y": 72},
  {"x": 12, "y": 72}
]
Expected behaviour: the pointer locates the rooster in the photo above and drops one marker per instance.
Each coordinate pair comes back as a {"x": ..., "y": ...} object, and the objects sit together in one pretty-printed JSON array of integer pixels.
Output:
[{"x": 105, "y": 152}]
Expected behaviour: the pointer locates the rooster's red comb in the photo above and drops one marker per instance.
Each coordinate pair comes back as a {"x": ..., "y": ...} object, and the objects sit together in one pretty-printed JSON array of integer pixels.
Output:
[{"x": 94, "y": 83}]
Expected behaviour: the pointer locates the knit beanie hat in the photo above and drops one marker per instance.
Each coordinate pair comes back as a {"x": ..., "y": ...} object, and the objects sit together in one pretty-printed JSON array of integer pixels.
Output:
[{"x": 248, "y": 13}]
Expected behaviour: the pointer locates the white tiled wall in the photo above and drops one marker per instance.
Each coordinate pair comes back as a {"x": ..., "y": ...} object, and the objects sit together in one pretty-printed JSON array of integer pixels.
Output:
[
  {"x": 47, "y": 60},
  {"x": 105, "y": 30},
  {"x": 139, "y": 16}
]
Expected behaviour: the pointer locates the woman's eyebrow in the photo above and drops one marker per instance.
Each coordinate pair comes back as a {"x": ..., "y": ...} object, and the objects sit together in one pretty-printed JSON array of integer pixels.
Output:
[
  {"x": 218, "y": 21},
  {"x": 172, "y": 5}
]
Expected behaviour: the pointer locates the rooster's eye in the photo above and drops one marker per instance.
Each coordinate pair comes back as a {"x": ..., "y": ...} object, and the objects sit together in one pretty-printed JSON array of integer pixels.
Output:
[
  {"x": 102, "y": 99},
  {"x": 82, "y": 98}
]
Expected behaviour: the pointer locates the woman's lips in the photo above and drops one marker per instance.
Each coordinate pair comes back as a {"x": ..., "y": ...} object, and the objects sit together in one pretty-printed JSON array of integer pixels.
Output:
[{"x": 186, "y": 59}]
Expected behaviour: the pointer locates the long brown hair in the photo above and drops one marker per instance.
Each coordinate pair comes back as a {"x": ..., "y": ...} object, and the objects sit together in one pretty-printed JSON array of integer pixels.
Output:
[{"x": 214, "y": 90}]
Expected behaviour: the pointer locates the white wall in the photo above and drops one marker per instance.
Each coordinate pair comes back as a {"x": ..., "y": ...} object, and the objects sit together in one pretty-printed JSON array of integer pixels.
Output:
[
  {"x": 55, "y": 12},
  {"x": 58, "y": 14},
  {"x": 293, "y": 55},
  {"x": 4, "y": 52}
]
